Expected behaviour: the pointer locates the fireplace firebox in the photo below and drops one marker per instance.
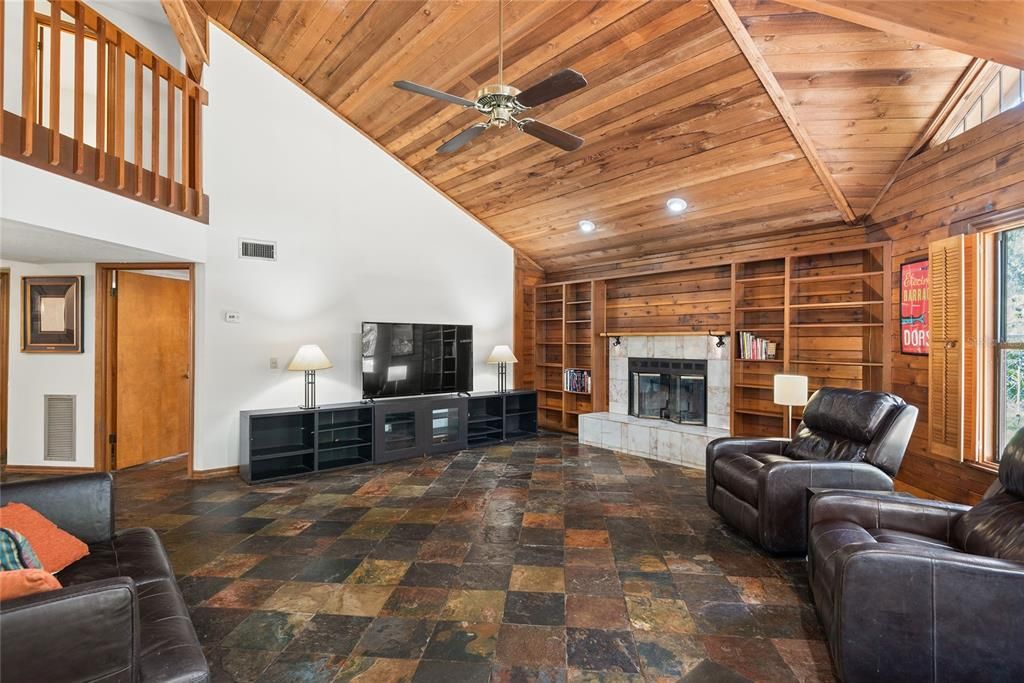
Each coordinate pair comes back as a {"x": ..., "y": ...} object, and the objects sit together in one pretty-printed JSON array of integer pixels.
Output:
[{"x": 668, "y": 389}]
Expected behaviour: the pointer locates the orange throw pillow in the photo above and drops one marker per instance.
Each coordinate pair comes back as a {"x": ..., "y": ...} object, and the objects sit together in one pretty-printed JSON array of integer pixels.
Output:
[
  {"x": 21, "y": 582},
  {"x": 54, "y": 547}
]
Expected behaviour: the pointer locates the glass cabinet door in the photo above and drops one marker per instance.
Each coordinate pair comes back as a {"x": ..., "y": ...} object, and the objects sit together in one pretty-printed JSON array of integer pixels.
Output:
[
  {"x": 399, "y": 430},
  {"x": 444, "y": 425}
]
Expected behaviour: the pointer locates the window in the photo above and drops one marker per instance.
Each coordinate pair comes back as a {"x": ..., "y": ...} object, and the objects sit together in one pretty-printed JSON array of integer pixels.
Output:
[
  {"x": 1009, "y": 343},
  {"x": 1001, "y": 91}
]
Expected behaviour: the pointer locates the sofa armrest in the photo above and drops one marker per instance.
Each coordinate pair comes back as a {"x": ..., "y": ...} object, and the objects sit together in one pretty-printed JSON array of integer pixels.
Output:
[
  {"x": 872, "y": 511},
  {"x": 728, "y": 445},
  {"x": 84, "y": 632},
  {"x": 82, "y": 505},
  {"x": 782, "y": 496},
  {"x": 915, "y": 612}
]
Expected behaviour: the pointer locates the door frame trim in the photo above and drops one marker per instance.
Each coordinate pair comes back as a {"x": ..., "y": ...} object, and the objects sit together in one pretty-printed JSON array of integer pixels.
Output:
[
  {"x": 104, "y": 419},
  {"x": 5, "y": 362}
]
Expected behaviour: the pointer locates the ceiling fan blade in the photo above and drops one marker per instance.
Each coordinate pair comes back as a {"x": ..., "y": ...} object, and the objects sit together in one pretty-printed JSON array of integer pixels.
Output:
[
  {"x": 436, "y": 94},
  {"x": 551, "y": 135},
  {"x": 463, "y": 138},
  {"x": 562, "y": 83}
]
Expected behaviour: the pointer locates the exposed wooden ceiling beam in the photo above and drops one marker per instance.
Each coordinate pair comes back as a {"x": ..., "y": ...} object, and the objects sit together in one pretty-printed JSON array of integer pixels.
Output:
[
  {"x": 974, "y": 73},
  {"x": 987, "y": 29},
  {"x": 764, "y": 73},
  {"x": 188, "y": 19}
]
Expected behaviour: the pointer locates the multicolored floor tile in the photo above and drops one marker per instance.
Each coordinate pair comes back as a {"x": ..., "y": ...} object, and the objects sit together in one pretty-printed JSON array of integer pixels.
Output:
[{"x": 542, "y": 560}]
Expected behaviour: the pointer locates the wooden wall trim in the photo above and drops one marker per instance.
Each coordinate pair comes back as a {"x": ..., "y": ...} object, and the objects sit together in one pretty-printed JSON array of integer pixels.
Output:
[{"x": 45, "y": 469}]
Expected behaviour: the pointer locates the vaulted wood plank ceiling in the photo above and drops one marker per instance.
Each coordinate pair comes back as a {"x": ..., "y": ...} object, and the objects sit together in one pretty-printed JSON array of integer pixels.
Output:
[
  {"x": 673, "y": 109},
  {"x": 865, "y": 96}
]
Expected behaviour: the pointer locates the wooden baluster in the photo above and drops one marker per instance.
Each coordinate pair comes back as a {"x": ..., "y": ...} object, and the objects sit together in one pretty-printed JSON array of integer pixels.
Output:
[
  {"x": 155, "y": 133},
  {"x": 79, "y": 88},
  {"x": 55, "y": 36},
  {"x": 3, "y": 13},
  {"x": 138, "y": 120},
  {"x": 28, "y": 76},
  {"x": 111, "y": 92},
  {"x": 198, "y": 152},
  {"x": 119, "y": 113},
  {"x": 101, "y": 99},
  {"x": 186, "y": 141},
  {"x": 172, "y": 193}
]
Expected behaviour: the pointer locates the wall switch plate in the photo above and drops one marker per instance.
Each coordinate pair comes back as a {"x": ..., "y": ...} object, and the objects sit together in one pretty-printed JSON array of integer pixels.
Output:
[
  {"x": 232, "y": 317},
  {"x": 273, "y": 364}
]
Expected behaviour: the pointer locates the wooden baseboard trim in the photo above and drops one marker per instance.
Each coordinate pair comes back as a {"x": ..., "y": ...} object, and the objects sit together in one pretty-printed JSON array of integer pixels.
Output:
[
  {"x": 216, "y": 473},
  {"x": 44, "y": 469}
]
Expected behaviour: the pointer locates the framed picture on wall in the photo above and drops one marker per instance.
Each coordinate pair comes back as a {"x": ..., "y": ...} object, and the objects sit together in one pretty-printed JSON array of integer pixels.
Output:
[
  {"x": 51, "y": 314},
  {"x": 914, "y": 331}
]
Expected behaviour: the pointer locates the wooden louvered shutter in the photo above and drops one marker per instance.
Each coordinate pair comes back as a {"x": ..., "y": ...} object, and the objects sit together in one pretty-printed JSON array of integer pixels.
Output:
[{"x": 946, "y": 359}]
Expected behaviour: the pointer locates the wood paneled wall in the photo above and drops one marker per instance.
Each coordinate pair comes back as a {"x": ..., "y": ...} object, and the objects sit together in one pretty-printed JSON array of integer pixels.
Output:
[
  {"x": 935, "y": 194},
  {"x": 688, "y": 300}
]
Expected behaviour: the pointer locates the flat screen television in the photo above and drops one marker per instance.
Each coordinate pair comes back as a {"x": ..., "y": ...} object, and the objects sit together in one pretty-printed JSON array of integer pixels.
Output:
[{"x": 408, "y": 359}]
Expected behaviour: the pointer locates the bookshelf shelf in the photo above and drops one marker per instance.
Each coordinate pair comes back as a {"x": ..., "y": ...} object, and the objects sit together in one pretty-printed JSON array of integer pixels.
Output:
[
  {"x": 567, "y": 337},
  {"x": 812, "y": 305}
]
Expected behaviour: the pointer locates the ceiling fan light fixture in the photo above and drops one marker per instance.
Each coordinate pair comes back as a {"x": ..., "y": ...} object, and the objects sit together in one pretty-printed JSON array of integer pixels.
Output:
[
  {"x": 676, "y": 205},
  {"x": 587, "y": 226}
]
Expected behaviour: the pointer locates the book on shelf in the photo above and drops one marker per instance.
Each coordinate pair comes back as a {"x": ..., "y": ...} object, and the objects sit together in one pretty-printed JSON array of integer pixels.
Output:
[
  {"x": 577, "y": 381},
  {"x": 752, "y": 347}
]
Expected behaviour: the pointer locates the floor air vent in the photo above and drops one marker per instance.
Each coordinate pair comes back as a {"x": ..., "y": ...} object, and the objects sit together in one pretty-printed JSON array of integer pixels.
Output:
[
  {"x": 257, "y": 249},
  {"x": 59, "y": 422}
]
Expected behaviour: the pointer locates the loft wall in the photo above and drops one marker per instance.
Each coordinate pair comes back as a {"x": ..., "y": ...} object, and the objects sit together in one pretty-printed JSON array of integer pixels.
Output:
[{"x": 976, "y": 173}]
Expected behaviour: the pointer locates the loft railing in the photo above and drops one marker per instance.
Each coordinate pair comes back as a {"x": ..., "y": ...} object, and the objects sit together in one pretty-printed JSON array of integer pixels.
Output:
[{"x": 98, "y": 106}]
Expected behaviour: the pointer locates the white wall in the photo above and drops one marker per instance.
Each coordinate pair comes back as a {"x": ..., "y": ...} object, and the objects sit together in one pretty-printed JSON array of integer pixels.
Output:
[
  {"x": 359, "y": 238},
  {"x": 32, "y": 375}
]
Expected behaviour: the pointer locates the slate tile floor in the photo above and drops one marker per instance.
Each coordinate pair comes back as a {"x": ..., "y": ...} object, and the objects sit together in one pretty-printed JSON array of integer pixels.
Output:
[{"x": 539, "y": 561}]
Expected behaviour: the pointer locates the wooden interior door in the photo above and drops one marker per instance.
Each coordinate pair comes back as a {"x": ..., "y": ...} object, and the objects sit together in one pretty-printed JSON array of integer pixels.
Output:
[{"x": 152, "y": 368}]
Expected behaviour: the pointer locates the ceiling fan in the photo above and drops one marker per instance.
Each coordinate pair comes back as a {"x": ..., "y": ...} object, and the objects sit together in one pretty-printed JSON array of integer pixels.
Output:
[{"x": 502, "y": 104}]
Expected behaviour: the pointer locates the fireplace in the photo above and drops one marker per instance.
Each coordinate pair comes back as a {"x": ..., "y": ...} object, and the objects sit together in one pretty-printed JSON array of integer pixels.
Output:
[{"x": 668, "y": 389}]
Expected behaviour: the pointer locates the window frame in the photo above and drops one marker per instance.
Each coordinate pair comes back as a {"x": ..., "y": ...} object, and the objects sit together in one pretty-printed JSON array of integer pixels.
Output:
[{"x": 996, "y": 373}]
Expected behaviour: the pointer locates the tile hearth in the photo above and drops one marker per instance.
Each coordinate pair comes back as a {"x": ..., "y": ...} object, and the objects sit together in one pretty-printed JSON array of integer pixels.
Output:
[{"x": 539, "y": 561}]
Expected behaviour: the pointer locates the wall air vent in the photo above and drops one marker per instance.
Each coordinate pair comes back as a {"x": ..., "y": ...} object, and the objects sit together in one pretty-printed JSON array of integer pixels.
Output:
[
  {"x": 260, "y": 250},
  {"x": 59, "y": 425}
]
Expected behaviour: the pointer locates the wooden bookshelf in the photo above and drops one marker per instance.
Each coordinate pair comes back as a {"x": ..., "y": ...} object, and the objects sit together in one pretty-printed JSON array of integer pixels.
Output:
[
  {"x": 569, "y": 320},
  {"x": 826, "y": 314}
]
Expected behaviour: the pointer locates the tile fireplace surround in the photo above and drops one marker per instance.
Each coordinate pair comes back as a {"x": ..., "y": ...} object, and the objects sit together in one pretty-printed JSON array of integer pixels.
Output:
[{"x": 660, "y": 439}]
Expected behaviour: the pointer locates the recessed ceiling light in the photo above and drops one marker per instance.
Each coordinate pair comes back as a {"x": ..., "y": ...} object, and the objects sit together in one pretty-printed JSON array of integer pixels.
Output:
[
  {"x": 676, "y": 205},
  {"x": 587, "y": 226}
]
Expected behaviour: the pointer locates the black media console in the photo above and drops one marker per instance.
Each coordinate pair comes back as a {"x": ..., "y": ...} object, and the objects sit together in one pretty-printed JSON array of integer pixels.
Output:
[{"x": 283, "y": 443}]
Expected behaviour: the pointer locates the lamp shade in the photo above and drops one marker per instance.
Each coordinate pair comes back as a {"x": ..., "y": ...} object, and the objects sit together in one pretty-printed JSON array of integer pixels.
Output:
[
  {"x": 790, "y": 390},
  {"x": 309, "y": 357},
  {"x": 501, "y": 354}
]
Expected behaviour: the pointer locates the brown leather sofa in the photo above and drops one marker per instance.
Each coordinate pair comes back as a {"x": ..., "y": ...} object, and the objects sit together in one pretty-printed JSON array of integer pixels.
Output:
[
  {"x": 847, "y": 439},
  {"x": 120, "y": 615},
  {"x": 922, "y": 590}
]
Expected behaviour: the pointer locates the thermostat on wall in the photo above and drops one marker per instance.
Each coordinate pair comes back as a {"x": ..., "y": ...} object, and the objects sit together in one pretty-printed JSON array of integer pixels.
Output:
[{"x": 232, "y": 317}]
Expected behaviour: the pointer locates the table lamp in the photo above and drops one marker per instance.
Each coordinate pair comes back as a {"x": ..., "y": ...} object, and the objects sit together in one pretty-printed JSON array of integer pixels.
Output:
[
  {"x": 309, "y": 358},
  {"x": 501, "y": 356},
  {"x": 790, "y": 390}
]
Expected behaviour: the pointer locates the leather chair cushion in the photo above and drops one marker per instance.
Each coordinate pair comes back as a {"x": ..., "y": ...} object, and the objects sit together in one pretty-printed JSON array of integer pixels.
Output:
[
  {"x": 839, "y": 424},
  {"x": 136, "y": 554},
  {"x": 737, "y": 473},
  {"x": 170, "y": 650},
  {"x": 994, "y": 527},
  {"x": 908, "y": 538},
  {"x": 769, "y": 458},
  {"x": 848, "y": 413},
  {"x": 1011, "y": 465}
]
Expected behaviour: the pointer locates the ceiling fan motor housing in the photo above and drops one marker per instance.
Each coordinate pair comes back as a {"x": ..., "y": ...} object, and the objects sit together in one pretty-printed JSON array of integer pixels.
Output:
[{"x": 499, "y": 103}]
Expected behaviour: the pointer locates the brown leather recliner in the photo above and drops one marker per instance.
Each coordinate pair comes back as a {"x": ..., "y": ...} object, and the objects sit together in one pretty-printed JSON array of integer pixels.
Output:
[
  {"x": 922, "y": 590},
  {"x": 847, "y": 439}
]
